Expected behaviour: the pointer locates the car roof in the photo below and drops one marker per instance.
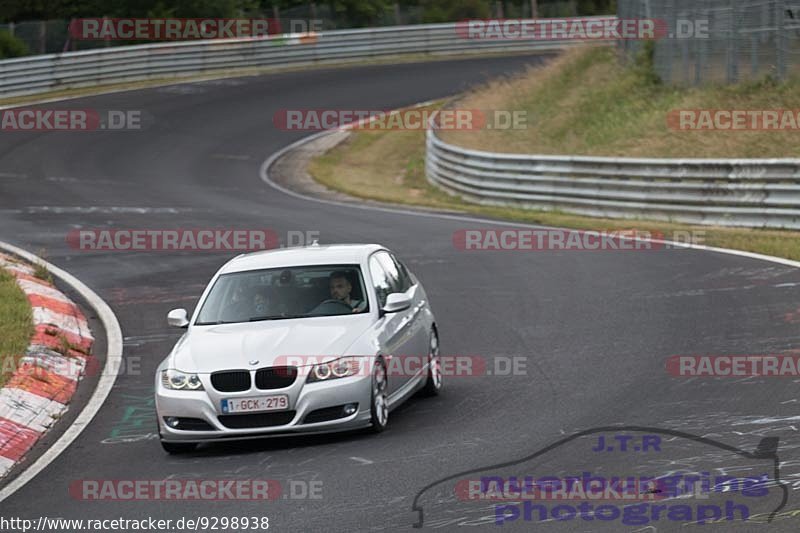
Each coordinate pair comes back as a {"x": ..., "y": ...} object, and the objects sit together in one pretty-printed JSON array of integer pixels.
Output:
[{"x": 315, "y": 254}]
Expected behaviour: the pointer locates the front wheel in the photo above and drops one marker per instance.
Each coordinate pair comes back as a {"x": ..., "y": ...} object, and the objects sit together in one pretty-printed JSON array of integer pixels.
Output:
[
  {"x": 379, "y": 408},
  {"x": 433, "y": 385}
]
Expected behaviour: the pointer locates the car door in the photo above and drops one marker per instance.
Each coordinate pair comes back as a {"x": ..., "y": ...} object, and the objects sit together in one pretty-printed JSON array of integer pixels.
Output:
[
  {"x": 420, "y": 342},
  {"x": 395, "y": 331}
]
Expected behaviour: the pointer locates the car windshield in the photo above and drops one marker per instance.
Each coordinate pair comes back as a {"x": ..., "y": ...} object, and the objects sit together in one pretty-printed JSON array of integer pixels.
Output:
[{"x": 281, "y": 293}]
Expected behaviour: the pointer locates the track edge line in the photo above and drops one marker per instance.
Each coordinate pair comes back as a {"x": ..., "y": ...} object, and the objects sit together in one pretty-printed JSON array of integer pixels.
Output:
[{"x": 104, "y": 384}]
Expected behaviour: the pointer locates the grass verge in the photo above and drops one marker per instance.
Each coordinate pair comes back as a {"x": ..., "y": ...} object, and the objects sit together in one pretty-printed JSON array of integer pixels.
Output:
[
  {"x": 16, "y": 324},
  {"x": 587, "y": 102},
  {"x": 389, "y": 166}
]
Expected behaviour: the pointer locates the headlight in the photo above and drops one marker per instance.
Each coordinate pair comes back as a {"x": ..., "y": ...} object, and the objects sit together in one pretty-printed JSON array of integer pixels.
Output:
[
  {"x": 176, "y": 380},
  {"x": 340, "y": 368}
]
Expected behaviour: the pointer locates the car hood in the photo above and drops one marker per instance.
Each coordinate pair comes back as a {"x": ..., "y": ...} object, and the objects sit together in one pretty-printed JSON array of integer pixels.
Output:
[{"x": 234, "y": 346}]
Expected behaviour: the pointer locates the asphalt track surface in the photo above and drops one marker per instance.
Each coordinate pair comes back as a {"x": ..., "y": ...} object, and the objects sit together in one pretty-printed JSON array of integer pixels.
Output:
[{"x": 595, "y": 327}]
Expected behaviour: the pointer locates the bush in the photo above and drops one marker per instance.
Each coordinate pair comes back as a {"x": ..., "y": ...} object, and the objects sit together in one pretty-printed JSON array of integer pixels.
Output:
[
  {"x": 645, "y": 64},
  {"x": 10, "y": 46}
]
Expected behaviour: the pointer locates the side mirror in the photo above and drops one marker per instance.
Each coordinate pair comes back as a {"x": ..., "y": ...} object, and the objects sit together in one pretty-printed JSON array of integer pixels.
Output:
[
  {"x": 177, "y": 318},
  {"x": 397, "y": 301}
]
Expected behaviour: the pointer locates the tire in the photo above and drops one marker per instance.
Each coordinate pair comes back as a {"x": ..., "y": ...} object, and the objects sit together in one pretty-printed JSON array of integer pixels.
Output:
[
  {"x": 379, "y": 407},
  {"x": 175, "y": 448},
  {"x": 434, "y": 383}
]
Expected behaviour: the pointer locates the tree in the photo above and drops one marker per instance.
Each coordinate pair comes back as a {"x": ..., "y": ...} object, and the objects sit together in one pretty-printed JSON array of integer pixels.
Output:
[{"x": 10, "y": 46}]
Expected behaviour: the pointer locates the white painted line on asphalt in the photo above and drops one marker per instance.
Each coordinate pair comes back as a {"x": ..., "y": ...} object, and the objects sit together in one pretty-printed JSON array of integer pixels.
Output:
[
  {"x": 771, "y": 420},
  {"x": 362, "y": 460},
  {"x": 264, "y": 173},
  {"x": 235, "y": 157},
  {"x": 105, "y": 210},
  {"x": 104, "y": 385}
]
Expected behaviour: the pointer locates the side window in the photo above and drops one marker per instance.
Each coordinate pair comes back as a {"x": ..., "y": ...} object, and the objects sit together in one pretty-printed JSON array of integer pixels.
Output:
[
  {"x": 405, "y": 277},
  {"x": 380, "y": 279},
  {"x": 392, "y": 270}
]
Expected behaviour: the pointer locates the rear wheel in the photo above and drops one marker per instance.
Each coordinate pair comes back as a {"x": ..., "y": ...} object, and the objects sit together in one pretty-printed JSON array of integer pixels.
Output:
[
  {"x": 433, "y": 386},
  {"x": 379, "y": 408}
]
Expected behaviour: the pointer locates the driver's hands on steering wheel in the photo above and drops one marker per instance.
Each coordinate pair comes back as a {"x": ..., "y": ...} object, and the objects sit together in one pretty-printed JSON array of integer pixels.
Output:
[
  {"x": 335, "y": 301},
  {"x": 330, "y": 301}
]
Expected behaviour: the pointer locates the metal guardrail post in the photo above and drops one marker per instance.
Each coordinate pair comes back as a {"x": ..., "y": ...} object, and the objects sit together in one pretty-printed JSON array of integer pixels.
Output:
[
  {"x": 780, "y": 38},
  {"x": 42, "y": 37},
  {"x": 733, "y": 42},
  {"x": 696, "y": 52}
]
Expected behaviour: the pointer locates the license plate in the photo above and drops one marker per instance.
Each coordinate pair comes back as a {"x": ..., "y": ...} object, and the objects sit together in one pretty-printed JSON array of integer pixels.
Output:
[{"x": 279, "y": 402}]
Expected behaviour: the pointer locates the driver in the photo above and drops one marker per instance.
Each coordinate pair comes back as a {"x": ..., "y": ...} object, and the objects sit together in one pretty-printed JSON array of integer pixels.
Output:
[{"x": 340, "y": 290}]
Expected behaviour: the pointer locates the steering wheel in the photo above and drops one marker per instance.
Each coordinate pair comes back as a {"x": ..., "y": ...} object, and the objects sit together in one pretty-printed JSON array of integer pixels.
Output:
[
  {"x": 324, "y": 307},
  {"x": 335, "y": 301}
]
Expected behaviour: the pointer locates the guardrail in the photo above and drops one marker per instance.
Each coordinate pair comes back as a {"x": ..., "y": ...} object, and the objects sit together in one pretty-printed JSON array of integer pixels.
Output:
[
  {"x": 29, "y": 75},
  {"x": 762, "y": 193}
]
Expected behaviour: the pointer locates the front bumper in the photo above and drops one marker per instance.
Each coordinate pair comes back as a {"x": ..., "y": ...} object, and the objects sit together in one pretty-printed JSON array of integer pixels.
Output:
[{"x": 304, "y": 399}]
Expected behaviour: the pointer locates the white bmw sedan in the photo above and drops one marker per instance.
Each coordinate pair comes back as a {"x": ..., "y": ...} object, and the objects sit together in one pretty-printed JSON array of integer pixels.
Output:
[{"x": 299, "y": 340}]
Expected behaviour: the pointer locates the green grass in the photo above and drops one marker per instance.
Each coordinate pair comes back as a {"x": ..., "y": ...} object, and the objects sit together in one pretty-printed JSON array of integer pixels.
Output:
[
  {"x": 587, "y": 102},
  {"x": 16, "y": 324},
  {"x": 389, "y": 166},
  {"x": 40, "y": 272}
]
